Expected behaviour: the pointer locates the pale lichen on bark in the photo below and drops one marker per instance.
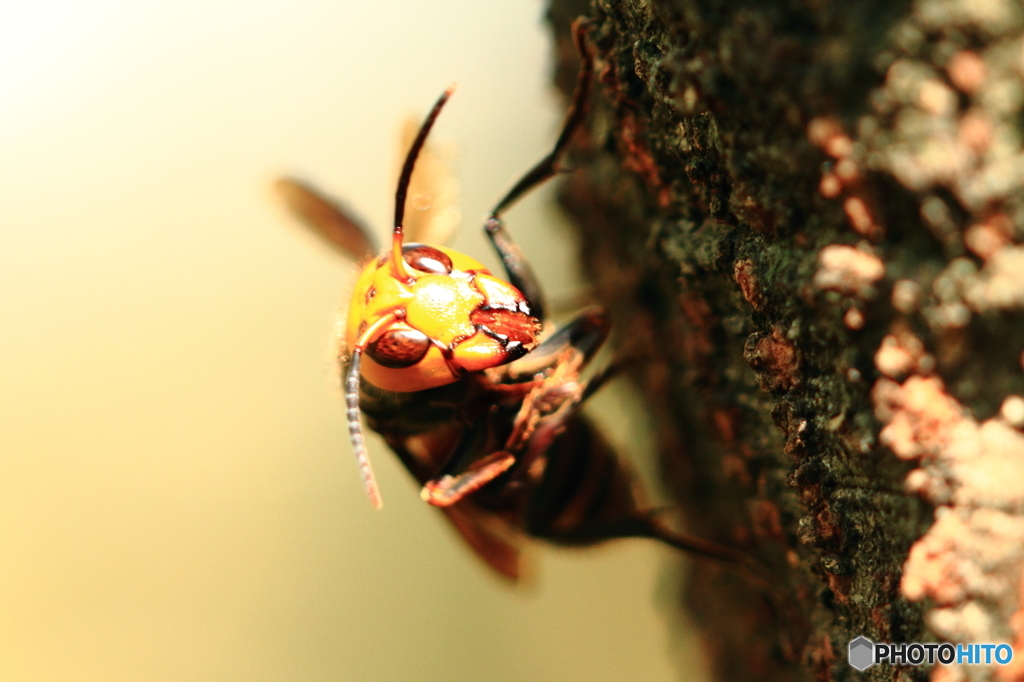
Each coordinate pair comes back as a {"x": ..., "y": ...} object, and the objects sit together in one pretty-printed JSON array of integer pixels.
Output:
[{"x": 809, "y": 217}]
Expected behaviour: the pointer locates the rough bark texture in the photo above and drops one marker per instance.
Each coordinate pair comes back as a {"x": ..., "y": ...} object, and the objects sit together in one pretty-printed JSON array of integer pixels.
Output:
[{"x": 805, "y": 217}]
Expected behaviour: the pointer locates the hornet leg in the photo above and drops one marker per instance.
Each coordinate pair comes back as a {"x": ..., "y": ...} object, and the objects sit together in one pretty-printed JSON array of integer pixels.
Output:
[
  {"x": 520, "y": 274},
  {"x": 464, "y": 471},
  {"x": 542, "y": 412}
]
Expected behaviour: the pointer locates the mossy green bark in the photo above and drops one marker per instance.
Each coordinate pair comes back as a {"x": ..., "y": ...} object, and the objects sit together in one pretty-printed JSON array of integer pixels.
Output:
[{"x": 803, "y": 217}]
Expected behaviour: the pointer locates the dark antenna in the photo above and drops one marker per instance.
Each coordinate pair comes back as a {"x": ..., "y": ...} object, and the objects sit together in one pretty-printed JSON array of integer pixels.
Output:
[
  {"x": 355, "y": 427},
  {"x": 397, "y": 262}
]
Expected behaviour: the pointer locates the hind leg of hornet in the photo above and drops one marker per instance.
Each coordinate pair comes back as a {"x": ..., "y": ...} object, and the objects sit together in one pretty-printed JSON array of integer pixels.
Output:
[
  {"x": 519, "y": 272},
  {"x": 550, "y": 390},
  {"x": 755, "y": 574},
  {"x": 586, "y": 494}
]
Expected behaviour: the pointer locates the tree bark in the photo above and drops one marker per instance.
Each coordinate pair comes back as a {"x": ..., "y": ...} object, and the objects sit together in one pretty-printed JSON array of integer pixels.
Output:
[{"x": 805, "y": 218}]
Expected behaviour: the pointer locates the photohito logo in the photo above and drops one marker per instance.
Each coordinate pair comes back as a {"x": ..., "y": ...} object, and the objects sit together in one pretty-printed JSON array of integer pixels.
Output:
[{"x": 863, "y": 653}]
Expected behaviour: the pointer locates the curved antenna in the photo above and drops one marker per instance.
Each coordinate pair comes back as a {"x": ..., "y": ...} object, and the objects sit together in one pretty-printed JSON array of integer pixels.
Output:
[
  {"x": 355, "y": 431},
  {"x": 397, "y": 262},
  {"x": 355, "y": 427}
]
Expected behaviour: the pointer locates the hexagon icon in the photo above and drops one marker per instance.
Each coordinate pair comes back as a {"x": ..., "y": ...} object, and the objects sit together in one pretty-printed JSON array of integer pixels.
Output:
[{"x": 862, "y": 653}]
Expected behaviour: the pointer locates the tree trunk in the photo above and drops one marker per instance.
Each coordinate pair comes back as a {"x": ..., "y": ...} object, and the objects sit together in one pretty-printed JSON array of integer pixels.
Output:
[{"x": 805, "y": 218}]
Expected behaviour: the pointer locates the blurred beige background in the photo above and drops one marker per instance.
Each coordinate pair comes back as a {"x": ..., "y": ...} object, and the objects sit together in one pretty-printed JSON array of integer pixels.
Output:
[{"x": 178, "y": 499}]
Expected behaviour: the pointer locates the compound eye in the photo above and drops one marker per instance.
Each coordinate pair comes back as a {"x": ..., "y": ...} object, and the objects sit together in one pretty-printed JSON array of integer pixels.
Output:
[
  {"x": 399, "y": 348},
  {"x": 427, "y": 259}
]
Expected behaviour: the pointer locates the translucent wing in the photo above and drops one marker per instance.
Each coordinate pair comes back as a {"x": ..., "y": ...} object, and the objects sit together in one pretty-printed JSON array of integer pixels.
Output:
[
  {"x": 335, "y": 224},
  {"x": 493, "y": 537},
  {"x": 344, "y": 233},
  {"x": 431, "y": 213},
  {"x": 494, "y": 540}
]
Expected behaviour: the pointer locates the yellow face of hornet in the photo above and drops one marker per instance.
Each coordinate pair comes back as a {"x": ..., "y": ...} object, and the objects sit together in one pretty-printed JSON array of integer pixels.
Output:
[{"x": 449, "y": 315}]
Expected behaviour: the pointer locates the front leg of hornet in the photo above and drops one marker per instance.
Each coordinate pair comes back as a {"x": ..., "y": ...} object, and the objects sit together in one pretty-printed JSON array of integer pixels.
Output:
[
  {"x": 535, "y": 427},
  {"x": 548, "y": 166},
  {"x": 519, "y": 272},
  {"x": 447, "y": 490},
  {"x": 464, "y": 471}
]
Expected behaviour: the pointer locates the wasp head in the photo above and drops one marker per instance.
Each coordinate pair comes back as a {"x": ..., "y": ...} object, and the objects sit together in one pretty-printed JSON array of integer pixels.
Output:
[{"x": 448, "y": 316}]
